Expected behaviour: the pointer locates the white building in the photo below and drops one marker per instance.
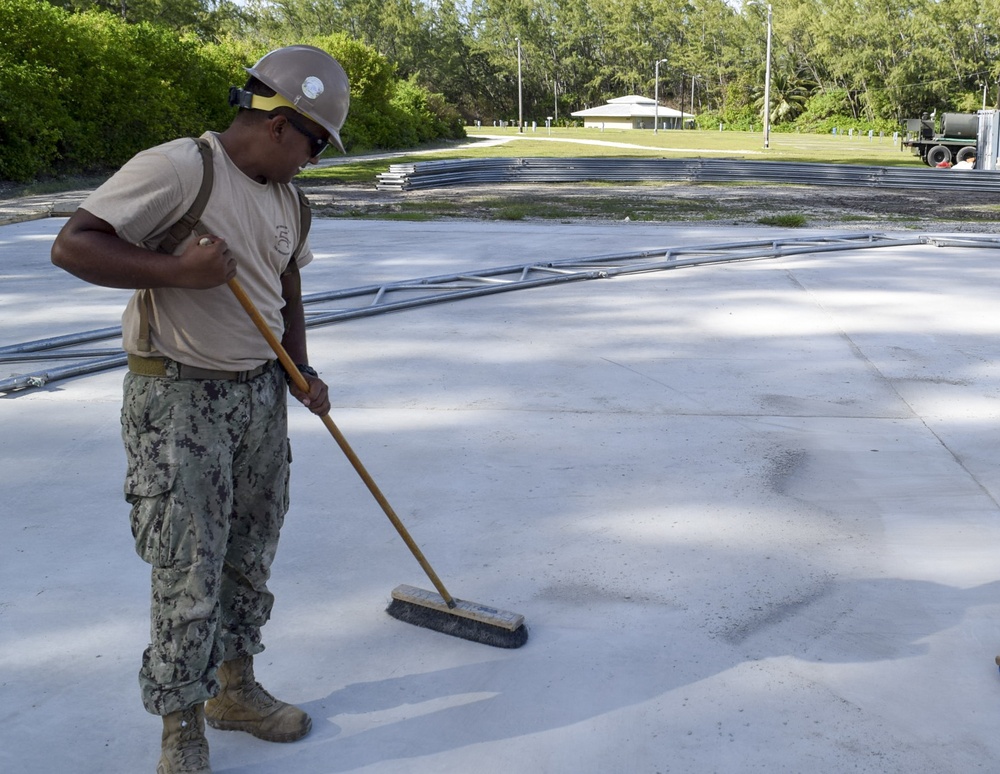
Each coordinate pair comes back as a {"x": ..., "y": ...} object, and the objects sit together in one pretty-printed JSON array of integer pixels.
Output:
[{"x": 633, "y": 112}]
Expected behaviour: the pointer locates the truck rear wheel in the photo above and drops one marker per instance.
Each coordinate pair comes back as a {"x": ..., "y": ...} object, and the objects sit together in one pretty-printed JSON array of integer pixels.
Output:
[
  {"x": 937, "y": 155},
  {"x": 968, "y": 152}
]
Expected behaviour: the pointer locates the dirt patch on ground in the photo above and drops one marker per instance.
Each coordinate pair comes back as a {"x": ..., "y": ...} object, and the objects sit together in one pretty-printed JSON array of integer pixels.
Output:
[
  {"x": 811, "y": 207},
  {"x": 730, "y": 204}
]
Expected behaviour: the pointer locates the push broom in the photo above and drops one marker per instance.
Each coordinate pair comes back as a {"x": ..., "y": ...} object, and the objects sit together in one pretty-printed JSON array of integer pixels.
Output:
[{"x": 440, "y": 612}]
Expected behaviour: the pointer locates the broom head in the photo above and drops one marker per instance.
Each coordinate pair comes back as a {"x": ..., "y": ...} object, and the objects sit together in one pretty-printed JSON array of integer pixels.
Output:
[{"x": 468, "y": 620}]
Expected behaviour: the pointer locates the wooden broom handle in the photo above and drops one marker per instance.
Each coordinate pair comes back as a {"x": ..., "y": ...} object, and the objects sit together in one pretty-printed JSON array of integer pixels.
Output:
[{"x": 301, "y": 382}]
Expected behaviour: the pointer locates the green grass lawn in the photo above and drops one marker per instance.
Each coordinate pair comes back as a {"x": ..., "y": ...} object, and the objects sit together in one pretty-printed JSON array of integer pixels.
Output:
[
  {"x": 561, "y": 142},
  {"x": 622, "y": 143}
]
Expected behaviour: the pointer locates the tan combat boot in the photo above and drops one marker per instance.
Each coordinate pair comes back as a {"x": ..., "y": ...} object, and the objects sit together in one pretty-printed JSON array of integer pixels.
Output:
[
  {"x": 185, "y": 748},
  {"x": 243, "y": 705}
]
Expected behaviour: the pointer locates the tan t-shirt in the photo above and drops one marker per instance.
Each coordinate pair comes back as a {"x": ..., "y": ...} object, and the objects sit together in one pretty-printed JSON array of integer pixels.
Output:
[{"x": 260, "y": 223}]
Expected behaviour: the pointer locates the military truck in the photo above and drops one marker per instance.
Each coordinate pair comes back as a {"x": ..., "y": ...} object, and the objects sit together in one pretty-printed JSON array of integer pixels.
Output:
[{"x": 955, "y": 142}]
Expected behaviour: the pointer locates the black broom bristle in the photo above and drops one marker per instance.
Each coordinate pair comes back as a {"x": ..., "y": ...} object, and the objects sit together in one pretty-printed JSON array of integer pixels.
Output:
[{"x": 457, "y": 625}]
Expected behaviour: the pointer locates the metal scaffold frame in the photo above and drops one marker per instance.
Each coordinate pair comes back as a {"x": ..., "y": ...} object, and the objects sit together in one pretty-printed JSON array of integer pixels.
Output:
[{"x": 370, "y": 300}]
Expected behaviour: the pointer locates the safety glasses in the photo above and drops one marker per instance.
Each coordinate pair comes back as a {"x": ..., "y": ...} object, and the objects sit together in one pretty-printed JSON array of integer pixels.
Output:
[{"x": 316, "y": 144}]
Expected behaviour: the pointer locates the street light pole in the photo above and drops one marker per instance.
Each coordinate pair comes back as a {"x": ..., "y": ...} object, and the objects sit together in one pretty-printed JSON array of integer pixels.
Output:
[
  {"x": 520, "y": 99},
  {"x": 767, "y": 85},
  {"x": 656, "y": 96}
]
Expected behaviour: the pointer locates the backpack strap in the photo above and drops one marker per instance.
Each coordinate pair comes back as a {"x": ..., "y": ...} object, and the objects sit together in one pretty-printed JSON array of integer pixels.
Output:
[
  {"x": 305, "y": 221},
  {"x": 177, "y": 233},
  {"x": 190, "y": 219},
  {"x": 143, "y": 342},
  {"x": 190, "y": 222}
]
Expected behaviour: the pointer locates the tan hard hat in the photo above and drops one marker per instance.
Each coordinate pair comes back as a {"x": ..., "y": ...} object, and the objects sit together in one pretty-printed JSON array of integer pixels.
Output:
[{"x": 311, "y": 81}]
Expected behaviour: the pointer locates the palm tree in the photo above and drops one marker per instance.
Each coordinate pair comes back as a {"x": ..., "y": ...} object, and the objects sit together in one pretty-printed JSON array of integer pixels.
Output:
[{"x": 790, "y": 93}]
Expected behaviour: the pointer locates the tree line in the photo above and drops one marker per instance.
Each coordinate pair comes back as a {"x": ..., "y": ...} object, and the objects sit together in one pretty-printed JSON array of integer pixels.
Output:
[
  {"x": 869, "y": 63},
  {"x": 872, "y": 62}
]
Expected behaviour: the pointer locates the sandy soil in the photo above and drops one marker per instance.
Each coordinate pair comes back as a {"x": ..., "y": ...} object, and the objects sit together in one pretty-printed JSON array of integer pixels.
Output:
[
  {"x": 731, "y": 204},
  {"x": 863, "y": 209}
]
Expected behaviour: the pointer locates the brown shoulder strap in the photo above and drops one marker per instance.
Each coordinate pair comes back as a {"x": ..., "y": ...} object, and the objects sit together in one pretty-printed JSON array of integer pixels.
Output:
[
  {"x": 305, "y": 221},
  {"x": 177, "y": 233},
  {"x": 189, "y": 220}
]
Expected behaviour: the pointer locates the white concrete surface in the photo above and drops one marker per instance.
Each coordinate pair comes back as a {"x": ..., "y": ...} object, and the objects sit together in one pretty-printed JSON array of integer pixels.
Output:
[{"x": 749, "y": 512}]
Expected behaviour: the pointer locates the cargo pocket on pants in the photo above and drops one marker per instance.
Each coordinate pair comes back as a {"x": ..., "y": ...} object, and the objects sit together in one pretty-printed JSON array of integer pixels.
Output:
[{"x": 148, "y": 492}]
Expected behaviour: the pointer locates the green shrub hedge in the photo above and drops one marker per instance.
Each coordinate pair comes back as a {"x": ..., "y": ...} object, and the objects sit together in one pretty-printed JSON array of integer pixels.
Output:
[{"x": 86, "y": 91}]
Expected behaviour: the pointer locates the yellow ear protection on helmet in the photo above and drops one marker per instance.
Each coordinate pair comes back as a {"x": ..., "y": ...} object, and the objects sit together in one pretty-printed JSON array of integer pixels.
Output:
[
  {"x": 247, "y": 100},
  {"x": 244, "y": 99}
]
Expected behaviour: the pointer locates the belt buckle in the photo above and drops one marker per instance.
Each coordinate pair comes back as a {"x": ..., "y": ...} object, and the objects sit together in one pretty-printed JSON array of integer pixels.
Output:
[{"x": 253, "y": 373}]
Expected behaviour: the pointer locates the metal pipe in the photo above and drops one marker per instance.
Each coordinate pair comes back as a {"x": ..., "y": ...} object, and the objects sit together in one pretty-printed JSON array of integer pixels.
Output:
[
  {"x": 67, "y": 340},
  {"x": 41, "y": 378},
  {"x": 423, "y": 175},
  {"x": 50, "y": 355},
  {"x": 554, "y": 272}
]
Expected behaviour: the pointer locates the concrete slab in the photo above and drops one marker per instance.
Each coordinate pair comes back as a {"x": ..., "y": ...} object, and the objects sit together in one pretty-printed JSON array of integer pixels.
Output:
[{"x": 749, "y": 512}]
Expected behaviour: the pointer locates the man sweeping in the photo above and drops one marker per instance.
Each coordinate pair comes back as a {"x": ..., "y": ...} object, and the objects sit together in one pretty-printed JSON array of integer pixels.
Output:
[{"x": 204, "y": 411}]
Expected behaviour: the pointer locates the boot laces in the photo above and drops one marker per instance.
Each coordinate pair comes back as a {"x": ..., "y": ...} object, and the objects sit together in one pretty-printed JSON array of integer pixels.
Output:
[
  {"x": 257, "y": 696},
  {"x": 192, "y": 748}
]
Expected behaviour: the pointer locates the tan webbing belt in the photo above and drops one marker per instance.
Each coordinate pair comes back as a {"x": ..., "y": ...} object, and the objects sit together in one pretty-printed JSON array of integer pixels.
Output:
[{"x": 157, "y": 366}]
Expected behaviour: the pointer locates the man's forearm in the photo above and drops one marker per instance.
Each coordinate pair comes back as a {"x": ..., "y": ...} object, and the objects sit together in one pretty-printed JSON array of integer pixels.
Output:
[
  {"x": 293, "y": 314},
  {"x": 89, "y": 248}
]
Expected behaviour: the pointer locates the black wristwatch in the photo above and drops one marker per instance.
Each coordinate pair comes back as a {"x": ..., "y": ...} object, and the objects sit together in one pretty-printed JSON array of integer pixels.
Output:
[{"x": 303, "y": 369}]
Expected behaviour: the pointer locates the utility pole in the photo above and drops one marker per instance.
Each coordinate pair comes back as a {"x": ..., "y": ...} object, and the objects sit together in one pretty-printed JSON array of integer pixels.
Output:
[
  {"x": 656, "y": 95},
  {"x": 767, "y": 85},
  {"x": 520, "y": 97}
]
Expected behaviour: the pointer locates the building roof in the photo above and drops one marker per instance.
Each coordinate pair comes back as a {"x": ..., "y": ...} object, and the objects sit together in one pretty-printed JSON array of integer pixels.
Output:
[{"x": 632, "y": 106}]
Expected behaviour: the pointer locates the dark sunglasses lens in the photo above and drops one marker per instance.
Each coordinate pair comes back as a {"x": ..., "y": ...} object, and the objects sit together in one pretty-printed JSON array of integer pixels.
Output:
[{"x": 317, "y": 144}]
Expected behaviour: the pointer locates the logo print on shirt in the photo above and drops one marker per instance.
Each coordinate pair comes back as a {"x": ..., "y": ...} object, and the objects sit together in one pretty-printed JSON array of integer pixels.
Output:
[{"x": 283, "y": 241}]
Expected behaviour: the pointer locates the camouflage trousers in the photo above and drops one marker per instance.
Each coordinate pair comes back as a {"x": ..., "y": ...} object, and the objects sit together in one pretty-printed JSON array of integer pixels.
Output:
[{"x": 207, "y": 480}]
